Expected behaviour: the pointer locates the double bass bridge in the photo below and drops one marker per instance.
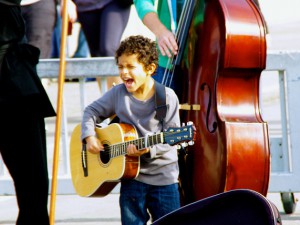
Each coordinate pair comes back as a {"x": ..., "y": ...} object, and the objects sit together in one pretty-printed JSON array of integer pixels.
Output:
[{"x": 195, "y": 107}]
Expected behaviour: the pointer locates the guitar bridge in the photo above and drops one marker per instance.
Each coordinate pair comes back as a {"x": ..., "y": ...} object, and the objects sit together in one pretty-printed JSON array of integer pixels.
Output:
[{"x": 84, "y": 160}]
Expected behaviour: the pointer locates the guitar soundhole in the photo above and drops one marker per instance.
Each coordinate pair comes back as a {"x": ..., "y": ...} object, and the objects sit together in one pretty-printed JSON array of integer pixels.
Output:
[{"x": 104, "y": 155}]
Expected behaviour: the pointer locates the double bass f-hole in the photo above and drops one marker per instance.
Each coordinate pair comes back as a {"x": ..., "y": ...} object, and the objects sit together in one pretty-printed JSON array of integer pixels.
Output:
[{"x": 214, "y": 125}]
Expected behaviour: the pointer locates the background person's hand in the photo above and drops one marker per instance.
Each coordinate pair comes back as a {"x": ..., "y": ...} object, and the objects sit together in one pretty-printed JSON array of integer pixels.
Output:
[
  {"x": 167, "y": 43},
  {"x": 165, "y": 38}
]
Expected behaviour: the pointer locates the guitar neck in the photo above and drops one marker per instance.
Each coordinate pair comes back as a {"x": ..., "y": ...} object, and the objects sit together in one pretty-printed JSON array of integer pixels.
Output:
[{"x": 140, "y": 143}]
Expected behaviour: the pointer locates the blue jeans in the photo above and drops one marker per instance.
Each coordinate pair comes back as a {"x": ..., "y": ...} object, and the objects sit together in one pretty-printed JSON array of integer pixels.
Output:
[{"x": 137, "y": 199}]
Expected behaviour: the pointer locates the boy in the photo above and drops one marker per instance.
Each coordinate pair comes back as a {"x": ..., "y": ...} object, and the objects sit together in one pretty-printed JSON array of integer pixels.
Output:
[{"x": 155, "y": 190}]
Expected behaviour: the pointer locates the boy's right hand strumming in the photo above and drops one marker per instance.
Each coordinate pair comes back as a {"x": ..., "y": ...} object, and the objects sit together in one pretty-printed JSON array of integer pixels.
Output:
[{"x": 93, "y": 144}]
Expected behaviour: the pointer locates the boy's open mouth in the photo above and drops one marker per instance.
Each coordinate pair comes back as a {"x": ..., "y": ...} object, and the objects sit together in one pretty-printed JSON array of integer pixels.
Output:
[{"x": 128, "y": 83}]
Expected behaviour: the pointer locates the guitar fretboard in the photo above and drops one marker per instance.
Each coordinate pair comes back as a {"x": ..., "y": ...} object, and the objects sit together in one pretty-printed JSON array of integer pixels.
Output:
[{"x": 141, "y": 143}]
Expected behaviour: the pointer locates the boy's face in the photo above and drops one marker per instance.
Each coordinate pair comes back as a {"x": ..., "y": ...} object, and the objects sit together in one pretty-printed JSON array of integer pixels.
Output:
[{"x": 133, "y": 73}]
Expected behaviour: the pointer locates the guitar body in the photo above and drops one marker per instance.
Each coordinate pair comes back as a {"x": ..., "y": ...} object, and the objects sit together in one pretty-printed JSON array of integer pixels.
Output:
[{"x": 103, "y": 172}]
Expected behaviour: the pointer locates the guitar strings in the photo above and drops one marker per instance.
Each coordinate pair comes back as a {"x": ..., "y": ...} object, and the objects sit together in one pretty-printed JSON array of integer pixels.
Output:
[{"x": 110, "y": 148}]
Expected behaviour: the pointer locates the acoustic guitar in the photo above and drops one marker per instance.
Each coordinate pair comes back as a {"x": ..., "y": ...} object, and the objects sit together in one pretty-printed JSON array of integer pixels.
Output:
[{"x": 95, "y": 175}]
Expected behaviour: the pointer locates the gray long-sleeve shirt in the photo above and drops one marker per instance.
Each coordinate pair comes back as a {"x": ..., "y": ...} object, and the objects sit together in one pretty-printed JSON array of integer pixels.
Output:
[{"x": 161, "y": 166}]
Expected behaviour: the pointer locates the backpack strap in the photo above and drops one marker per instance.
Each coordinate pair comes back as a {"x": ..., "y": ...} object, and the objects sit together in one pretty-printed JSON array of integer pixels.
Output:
[{"x": 160, "y": 103}]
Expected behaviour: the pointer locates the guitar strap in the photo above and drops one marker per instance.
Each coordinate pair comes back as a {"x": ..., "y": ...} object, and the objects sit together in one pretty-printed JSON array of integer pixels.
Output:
[{"x": 160, "y": 103}]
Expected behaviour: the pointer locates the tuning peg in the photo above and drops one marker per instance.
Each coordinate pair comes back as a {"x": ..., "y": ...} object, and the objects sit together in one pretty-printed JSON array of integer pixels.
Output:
[
  {"x": 191, "y": 142},
  {"x": 184, "y": 144},
  {"x": 190, "y": 123}
]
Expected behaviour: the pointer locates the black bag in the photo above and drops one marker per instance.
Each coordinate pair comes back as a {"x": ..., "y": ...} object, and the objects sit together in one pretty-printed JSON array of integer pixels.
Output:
[
  {"x": 235, "y": 207},
  {"x": 19, "y": 82}
]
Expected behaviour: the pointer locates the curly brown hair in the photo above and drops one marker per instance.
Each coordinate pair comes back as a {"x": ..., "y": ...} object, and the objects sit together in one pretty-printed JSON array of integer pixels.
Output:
[{"x": 143, "y": 47}]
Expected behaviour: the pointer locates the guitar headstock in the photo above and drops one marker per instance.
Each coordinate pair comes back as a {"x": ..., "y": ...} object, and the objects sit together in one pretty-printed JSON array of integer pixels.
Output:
[{"x": 184, "y": 135}]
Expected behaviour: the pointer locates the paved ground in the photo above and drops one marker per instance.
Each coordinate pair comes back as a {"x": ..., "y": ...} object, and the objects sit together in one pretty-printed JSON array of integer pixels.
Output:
[{"x": 75, "y": 210}]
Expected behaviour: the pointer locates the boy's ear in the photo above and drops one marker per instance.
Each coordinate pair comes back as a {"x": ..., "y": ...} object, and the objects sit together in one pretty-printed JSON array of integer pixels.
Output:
[{"x": 151, "y": 68}]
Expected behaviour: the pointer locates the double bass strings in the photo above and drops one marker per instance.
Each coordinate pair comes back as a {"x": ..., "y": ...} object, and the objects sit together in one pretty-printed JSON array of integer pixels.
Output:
[{"x": 180, "y": 36}]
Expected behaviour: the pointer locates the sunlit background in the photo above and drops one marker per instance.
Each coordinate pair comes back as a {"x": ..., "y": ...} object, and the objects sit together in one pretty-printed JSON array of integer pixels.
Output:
[{"x": 283, "y": 20}]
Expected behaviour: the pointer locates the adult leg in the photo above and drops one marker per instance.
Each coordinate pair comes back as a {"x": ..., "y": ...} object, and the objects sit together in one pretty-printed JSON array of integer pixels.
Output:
[
  {"x": 113, "y": 21},
  {"x": 82, "y": 49},
  {"x": 23, "y": 149},
  {"x": 103, "y": 28},
  {"x": 56, "y": 38},
  {"x": 40, "y": 21},
  {"x": 90, "y": 24}
]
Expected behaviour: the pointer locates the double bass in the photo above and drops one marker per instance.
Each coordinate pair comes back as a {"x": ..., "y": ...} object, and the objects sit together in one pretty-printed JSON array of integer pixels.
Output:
[{"x": 224, "y": 56}]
